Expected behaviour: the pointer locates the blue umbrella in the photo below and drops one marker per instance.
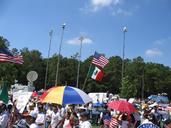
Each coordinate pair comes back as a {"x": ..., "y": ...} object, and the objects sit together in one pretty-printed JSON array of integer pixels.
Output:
[
  {"x": 159, "y": 99},
  {"x": 162, "y": 99},
  {"x": 152, "y": 97},
  {"x": 148, "y": 125}
]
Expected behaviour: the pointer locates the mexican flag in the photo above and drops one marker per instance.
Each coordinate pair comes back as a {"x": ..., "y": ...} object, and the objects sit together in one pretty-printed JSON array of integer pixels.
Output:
[
  {"x": 96, "y": 73},
  {"x": 4, "y": 93}
]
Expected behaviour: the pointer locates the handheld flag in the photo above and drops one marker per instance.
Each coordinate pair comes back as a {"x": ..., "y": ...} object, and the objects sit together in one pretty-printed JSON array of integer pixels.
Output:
[
  {"x": 96, "y": 73},
  {"x": 6, "y": 56},
  {"x": 4, "y": 93},
  {"x": 99, "y": 60}
]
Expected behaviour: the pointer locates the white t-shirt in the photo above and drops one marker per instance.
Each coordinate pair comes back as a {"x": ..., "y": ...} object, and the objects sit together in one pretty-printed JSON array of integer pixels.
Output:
[
  {"x": 41, "y": 120},
  {"x": 56, "y": 118},
  {"x": 48, "y": 115},
  {"x": 66, "y": 122},
  {"x": 34, "y": 126},
  {"x": 85, "y": 124}
]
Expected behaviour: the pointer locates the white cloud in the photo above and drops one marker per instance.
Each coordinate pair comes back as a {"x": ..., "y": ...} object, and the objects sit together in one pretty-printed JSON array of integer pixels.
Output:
[
  {"x": 163, "y": 41},
  {"x": 122, "y": 12},
  {"x": 76, "y": 41},
  {"x": 153, "y": 52},
  {"x": 97, "y": 4}
]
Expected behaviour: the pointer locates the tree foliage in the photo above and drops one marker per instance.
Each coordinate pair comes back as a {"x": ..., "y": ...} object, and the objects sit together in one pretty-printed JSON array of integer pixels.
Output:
[{"x": 155, "y": 78}]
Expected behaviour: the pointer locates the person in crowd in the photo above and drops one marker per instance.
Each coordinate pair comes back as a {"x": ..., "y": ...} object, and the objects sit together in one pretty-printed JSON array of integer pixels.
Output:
[
  {"x": 124, "y": 121},
  {"x": 41, "y": 117},
  {"x": 156, "y": 116},
  {"x": 167, "y": 123},
  {"x": 68, "y": 123},
  {"x": 9, "y": 112},
  {"x": 49, "y": 112},
  {"x": 32, "y": 120},
  {"x": 61, "y": 111},
  {"x": 137, "y": 119},
  {"x": 3, "y": 116},
  {"x": 85, "y": 123},
  {"x": 56, "y": 118},
  {"x": 146, "y": 118},
  {"x": 74, "y": 119},
  {"x": 22, "y": 123}
]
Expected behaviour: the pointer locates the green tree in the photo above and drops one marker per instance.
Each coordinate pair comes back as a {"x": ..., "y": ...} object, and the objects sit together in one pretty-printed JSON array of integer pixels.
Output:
[
  {"x": 4, "y": 43},
  {"x": 128, "y": 89}
]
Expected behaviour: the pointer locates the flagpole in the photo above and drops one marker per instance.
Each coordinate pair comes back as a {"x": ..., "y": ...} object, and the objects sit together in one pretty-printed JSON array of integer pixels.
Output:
[
  {"x": 79, "y": 61},
  {"x": 123, "y": 54},
  {"x": 87, "y": 76},
  {"x": 60, "y": 46},
  {"x": 47, "y": 64}
]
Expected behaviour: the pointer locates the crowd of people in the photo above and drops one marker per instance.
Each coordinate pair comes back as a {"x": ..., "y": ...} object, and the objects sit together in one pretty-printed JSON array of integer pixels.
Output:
[{"x": 44, "y": 115}]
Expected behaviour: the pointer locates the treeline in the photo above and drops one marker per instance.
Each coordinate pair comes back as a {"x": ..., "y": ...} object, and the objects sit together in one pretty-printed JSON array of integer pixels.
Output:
[{"x": 141, "y": 78}]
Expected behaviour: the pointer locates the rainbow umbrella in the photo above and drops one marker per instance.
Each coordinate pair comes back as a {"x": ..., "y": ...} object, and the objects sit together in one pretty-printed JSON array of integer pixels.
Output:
[{"x": 65, "y": 95}]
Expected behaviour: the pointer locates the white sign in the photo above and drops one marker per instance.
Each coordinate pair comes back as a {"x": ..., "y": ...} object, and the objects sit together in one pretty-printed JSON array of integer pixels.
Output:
[
  {"x": 98, "y": 97},
  {"x": 22, "y": 99}
]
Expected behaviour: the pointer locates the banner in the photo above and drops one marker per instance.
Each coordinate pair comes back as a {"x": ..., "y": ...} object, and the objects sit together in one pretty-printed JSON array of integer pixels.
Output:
[{"x": 22, "y": 99}]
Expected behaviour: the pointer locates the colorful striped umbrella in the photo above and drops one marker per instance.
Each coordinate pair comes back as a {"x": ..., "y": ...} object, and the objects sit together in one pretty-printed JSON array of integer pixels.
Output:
[{"x": 65, "y": 95}]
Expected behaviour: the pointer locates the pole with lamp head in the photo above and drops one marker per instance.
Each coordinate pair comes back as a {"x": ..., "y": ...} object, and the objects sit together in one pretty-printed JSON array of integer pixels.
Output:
[
  {"x": 124, "y": 30},
  {"x": 60, "y": 46}
]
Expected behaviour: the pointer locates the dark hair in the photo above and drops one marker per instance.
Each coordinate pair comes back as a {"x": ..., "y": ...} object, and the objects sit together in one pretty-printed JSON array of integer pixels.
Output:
[
  {"x": 168, "y": 121},
  {"x": 124, "y": 117},
  {"x": 3, "y": 107}
]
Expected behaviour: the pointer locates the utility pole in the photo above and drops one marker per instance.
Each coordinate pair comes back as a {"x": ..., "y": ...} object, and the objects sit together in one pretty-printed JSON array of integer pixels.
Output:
[
  {"x": 60, "y": 46},
  {"x": 47, "y": 65},
  {"x": 79, "y": 61},
  {"x": 123, "y": 52}
]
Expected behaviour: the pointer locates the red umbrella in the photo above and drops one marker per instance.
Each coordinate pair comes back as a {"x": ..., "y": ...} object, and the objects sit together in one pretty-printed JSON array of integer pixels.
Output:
[{"x": 122, "y": 106}]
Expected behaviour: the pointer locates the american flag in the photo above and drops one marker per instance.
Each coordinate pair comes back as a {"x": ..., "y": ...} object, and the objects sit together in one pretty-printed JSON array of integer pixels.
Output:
[
  {"x": 113, "y": 123},
  {"x": 99, "y": 60},
  {"x": 148, "y": 125},
  {"x": 6, "y": 56},
  {"x": 106, "y": 120}
]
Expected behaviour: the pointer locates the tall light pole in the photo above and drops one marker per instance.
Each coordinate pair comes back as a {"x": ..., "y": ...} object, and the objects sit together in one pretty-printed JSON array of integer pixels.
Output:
[
  {"x": 124, "y": 30},
  {"x": 79, "y": 61},
  {"x": 60, "y": 46},
  {"x": 47, "y": 64}
]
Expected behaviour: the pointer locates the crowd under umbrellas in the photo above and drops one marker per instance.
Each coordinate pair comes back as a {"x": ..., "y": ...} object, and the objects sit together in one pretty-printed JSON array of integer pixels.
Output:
[{"x": 69, "y": 107}]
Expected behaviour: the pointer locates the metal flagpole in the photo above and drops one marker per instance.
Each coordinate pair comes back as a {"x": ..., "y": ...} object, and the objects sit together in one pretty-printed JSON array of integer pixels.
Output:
[
  {"x": 79, "y": 61},
  {"x": 87, "y": 76},
  {"x": 123, "y": 50},
  {"x": 60, "y": 46},
  {"x": 47, "y": 65}
]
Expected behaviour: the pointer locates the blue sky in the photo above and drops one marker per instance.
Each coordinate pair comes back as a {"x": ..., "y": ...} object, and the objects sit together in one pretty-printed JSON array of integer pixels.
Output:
[{"x": 26, "y": 23}]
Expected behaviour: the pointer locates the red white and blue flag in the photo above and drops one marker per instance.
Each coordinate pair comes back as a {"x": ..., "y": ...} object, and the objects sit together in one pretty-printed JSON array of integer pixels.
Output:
[
  {"x": 106, "y": 120},
  {"x": 99, "y": 60},
  {"x": 6, "y": 56}
]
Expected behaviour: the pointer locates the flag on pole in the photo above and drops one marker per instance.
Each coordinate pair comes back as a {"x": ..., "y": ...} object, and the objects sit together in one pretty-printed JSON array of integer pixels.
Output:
[
  {"x": 4, "y": 93},
  {"x": 6, "y": 56},
  {"x": 99, "y": 60},
  {"x": 96, "y": 73}
]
